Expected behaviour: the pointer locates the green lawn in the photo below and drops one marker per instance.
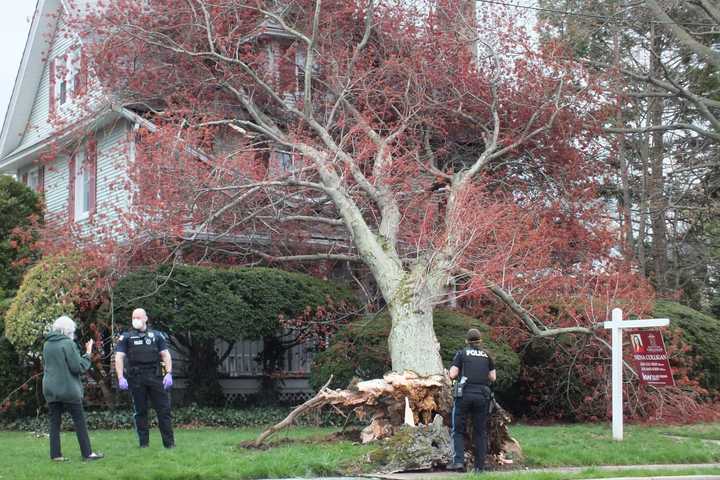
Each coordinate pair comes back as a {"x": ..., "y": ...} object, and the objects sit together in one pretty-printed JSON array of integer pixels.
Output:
[
  {"x": 200, "y": 454},
  {"x": 213, "y": 453},
  {"x": 584, "y": 445}
]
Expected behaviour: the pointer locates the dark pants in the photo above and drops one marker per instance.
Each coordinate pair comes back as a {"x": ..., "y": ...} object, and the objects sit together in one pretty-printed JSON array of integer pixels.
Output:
[
  {"x": 55, "y": 411},
  {"x": 475, "y": 405},
  {"x": 144, "y": 387}
]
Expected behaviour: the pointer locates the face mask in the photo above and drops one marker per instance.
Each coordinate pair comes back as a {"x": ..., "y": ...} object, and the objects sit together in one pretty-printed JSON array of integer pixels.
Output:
[{"x": 137, "y": 324}]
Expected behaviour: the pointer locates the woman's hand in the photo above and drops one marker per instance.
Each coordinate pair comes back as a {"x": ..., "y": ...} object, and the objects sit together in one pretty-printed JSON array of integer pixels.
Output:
[{"x": 88, "y": 346}]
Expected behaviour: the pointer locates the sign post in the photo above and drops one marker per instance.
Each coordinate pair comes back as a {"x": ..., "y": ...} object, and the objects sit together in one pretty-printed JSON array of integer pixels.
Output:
[{"x": 617, "y": 325}]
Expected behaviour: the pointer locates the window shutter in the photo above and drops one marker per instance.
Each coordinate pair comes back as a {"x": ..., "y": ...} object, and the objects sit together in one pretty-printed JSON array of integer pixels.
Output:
[
  {"x": 81, "y": 77},
  {"x": 41, "y": 178},
  {"x": 71, "y": 188},
  {"x": 53, "y": 100},
  {"x": 91, "y": 165},
  {"x": 25, "y": 179}
]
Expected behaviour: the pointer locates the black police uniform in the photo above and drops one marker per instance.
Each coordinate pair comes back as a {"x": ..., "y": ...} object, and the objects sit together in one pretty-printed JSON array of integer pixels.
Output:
[
  {"x": 144, "y": 375},
  {"x": 475, "y": 364}
]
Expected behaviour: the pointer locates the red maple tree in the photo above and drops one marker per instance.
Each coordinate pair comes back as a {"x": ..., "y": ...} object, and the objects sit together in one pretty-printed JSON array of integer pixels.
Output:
[{"x": 438, "y": 146}]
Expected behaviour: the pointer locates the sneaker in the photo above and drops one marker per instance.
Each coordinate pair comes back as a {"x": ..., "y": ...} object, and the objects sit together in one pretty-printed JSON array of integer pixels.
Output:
[
  {"x": 170, "y": 447},
  {"x": 478, "y": 470},
  {"x": 60, "y": 459},
  {"x": 94, "y": 456},
  {"x": 455, "y": 467},
  {"x": 144, "y": 446}
]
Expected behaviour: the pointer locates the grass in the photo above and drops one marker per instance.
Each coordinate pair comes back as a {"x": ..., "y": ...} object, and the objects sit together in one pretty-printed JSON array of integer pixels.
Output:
[
  {"x": 200, "y": 454},
  {"x": 213, "y": 454},
  {"x": 591, "y": 444}
]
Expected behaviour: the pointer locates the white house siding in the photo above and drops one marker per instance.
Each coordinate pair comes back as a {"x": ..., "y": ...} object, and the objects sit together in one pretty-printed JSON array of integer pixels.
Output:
[
  {"x": 111, "y": 195},
  {"x": 56, "y": 189},
  {"x": 39, "y": 128}
]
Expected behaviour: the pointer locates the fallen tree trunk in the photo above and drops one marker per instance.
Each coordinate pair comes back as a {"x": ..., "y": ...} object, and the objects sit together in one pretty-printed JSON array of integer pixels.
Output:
[
  {"x": 314, "y": 403},
  {"x": 397, "y": 403}
]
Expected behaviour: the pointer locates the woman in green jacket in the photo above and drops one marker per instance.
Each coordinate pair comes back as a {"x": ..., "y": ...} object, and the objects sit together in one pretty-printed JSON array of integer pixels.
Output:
[{"x": 62, "y": 367}]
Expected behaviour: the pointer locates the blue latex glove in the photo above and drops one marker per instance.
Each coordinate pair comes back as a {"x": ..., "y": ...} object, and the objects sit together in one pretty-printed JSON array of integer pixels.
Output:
[
  {"x": 122, "y": 383},
  {"x": 167, "y": 381}
]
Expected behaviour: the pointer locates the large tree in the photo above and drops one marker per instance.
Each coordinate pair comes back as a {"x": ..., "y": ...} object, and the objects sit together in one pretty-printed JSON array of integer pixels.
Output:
[{"x": 450, "y": 156}]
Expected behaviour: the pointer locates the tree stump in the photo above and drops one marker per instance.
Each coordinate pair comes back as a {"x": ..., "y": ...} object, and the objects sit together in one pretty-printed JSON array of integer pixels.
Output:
[
  {"x": 425, "y": 444},
  {"x": 424, "y": 447}
]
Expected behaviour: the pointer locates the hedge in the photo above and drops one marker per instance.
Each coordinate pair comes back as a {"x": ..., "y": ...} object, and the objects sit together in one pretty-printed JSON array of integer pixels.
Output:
[
  {"x": 196, "y": 305},
  {"x": 702, "y": 333},
  {"x": 189, "y": 417},
  {"x": 360, "y": 350},
  {"x": 227, "y": 303}
]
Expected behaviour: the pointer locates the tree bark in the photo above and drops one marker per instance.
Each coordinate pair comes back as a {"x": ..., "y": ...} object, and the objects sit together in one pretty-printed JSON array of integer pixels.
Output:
[
  {"x": 412, "y": 342},
  {"x": 657, "y": 199}
]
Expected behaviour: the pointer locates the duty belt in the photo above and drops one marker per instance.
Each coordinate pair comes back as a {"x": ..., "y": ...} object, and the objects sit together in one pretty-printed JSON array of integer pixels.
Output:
[{"x": 145, "y": 368}]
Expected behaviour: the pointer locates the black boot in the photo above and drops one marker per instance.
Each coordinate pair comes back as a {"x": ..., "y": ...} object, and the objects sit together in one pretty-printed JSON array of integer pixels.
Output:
[{"x": 455, "y": 467}]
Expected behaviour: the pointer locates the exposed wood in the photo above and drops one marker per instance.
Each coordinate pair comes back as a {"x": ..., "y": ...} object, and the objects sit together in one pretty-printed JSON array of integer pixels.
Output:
[
  {"x": 315, "y": 402},
  {"x": 387, "y": 403}
]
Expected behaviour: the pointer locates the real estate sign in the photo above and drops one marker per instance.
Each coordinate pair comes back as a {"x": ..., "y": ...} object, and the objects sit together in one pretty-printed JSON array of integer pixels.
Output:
[{"x": 650, "y": 357}]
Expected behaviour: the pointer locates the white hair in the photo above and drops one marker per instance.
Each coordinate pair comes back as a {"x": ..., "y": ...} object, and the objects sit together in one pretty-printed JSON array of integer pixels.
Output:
[{"x": 64, "y": 325}]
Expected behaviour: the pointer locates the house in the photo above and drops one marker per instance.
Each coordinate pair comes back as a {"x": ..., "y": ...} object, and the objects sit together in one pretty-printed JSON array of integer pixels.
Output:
[{"x": 59, "y": 110}]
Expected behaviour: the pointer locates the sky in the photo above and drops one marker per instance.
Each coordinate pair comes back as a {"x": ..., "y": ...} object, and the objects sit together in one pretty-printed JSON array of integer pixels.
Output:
[{"x": 14, "y": 26}]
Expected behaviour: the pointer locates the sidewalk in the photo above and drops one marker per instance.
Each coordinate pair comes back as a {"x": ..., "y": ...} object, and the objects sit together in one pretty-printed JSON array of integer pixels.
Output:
[{"x": 441, "y": 474}]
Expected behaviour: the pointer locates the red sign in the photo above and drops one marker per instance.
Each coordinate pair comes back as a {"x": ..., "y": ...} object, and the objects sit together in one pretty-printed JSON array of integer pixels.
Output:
[{"x": 651, "y": 360}]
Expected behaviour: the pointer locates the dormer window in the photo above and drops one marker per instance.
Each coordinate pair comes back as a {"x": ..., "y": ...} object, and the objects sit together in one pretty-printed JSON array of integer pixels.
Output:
[
  {"x": 67, "y": 78},
  {"x": 67, "y": 75}
]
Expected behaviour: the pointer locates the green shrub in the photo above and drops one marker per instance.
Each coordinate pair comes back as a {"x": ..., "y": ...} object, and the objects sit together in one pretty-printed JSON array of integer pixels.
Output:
[
  {"x": 196, "y": 305},
  {"x": 360, "y": 350},
  {"x": 702, "y": 333},
  {"x": 49, "y": 289},
  {"x": 215, "y": 303},
  {"x": 20, "y": 214},
  {"x": 15, "y": 370},
  {"x": 20, "y": 208},
  {"x": 193, "y": 416}
]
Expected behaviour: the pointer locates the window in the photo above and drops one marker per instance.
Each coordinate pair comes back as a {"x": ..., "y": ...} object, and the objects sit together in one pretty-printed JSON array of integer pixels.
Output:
[
  {"x": 285, "y": 159},
  {"x": 35, "y": 178},
  {"x": 288, "y": 62},
  {"x": 66, "y": 82},
  {"x": 84, "y": 191},
  {"x": 300, "y": 69}
]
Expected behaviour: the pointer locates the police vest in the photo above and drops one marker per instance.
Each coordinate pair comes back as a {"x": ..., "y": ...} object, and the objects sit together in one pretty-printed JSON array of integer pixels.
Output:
[
  {"x": 475, "y": 366},
  {"x": 142, "y": 351}
]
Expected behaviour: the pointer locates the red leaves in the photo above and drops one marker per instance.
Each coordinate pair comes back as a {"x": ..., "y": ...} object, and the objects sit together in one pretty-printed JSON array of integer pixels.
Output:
[{"x": 316, "y": 325}]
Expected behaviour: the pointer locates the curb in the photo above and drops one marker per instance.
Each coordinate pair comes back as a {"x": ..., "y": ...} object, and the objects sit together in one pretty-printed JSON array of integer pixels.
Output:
[{"x": 571, "y": 470}]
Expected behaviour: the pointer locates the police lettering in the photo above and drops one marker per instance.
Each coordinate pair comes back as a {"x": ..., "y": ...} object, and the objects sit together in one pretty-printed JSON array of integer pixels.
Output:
[{"x": 476, "y": 353}]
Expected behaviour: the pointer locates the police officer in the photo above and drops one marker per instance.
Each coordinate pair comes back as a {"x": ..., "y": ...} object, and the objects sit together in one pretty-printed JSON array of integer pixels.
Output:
[
  {"x": 475, "y": 370},
  {"x": 144, "y": 348}
]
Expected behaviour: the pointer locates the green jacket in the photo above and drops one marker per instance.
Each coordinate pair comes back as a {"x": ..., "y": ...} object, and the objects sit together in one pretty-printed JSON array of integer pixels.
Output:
[{"x": 62, "y": 367}]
